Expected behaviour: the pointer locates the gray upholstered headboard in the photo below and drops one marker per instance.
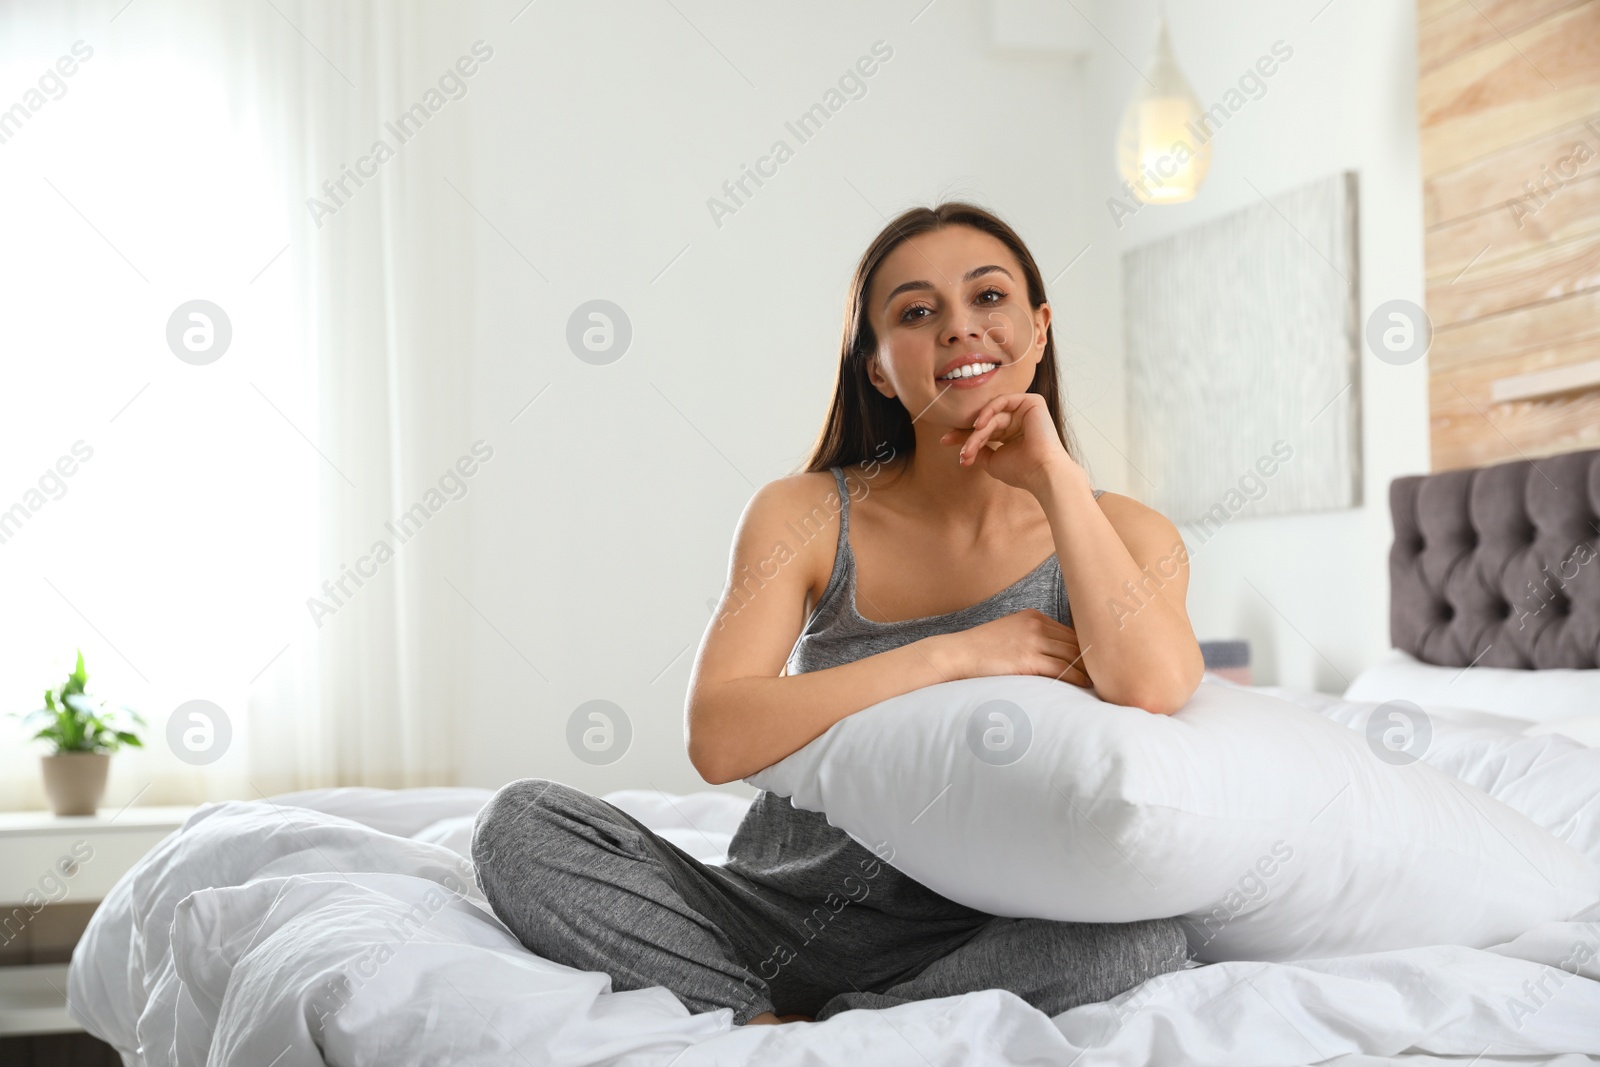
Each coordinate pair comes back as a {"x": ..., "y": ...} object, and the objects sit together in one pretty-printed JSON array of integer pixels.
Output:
[{"x": 1498, "y": 566}]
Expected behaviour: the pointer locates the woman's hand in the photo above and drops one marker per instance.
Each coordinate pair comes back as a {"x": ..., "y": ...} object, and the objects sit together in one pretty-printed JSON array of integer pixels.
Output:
[
  {"x": 1029, "y": 451},
  {"x": 1024, "y": 642}
]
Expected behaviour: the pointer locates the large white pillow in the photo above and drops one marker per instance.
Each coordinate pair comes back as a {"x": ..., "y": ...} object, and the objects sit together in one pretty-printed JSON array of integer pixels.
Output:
[
  {"x": 1279, "y": 834},
  {"x": 1532, "y": 696}
]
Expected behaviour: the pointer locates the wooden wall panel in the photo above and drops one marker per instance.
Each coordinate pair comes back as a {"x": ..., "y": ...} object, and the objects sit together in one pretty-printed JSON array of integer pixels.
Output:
[
  {"x": 1525, "y": 330},
  {"x": 1462, "y": 411},
  {"x": 1467, "y": 24},
  {"x": 1544, "y": 273},
  {"x": 1540, "y": 78},
  {"x": 1508, "y": 100},
  {"x": 1428, "y": 10},
  {"x": 1485, "y": 238},
  {"x": 1503, "y": 176}
]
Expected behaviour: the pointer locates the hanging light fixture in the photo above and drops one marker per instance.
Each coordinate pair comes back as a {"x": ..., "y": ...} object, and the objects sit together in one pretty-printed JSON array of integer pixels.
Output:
[{"x": 1164, "y": 145}]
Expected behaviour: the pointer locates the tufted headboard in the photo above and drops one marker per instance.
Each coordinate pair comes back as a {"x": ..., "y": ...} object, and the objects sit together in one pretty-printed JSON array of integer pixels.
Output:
[{"x": 1498, "y": 566}]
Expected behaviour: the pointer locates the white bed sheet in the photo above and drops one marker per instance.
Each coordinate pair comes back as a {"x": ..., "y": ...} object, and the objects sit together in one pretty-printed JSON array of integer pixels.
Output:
[{"x": 233, "y": 938}]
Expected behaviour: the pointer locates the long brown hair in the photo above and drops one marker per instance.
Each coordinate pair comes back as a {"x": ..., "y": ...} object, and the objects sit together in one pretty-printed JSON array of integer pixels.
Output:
[{"x": 862, "y": 422}]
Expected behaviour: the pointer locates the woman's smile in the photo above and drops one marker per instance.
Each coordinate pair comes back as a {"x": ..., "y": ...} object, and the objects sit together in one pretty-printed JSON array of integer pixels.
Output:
[{"x": 970, "y": 371}]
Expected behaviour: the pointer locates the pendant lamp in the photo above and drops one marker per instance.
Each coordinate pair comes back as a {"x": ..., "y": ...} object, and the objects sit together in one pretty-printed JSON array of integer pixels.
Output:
[{"x": 1164, "y": 144}]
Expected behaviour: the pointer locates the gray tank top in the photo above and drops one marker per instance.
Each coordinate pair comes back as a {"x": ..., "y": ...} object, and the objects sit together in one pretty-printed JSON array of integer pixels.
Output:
[{"x": 798, "y": 851}]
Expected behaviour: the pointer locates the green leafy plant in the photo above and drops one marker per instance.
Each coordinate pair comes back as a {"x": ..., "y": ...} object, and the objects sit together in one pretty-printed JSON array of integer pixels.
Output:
[{"x": 74, "y": 723}]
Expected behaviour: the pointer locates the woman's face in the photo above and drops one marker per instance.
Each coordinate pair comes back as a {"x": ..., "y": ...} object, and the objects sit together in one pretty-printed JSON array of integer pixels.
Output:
[{"x": 943, "y": 300}]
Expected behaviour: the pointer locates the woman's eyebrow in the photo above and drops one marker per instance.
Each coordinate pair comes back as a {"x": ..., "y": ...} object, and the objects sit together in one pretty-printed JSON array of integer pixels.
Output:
[{"x": 975, "y": 272}]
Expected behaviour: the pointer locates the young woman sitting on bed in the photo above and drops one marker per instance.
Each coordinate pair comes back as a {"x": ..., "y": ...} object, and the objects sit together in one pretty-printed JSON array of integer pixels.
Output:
[{"x": 926, "y": 508}]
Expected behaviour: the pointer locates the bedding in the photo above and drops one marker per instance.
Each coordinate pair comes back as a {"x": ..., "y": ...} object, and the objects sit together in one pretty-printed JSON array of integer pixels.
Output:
[
  {"x": 1585, "y": 729},
  {"x": 1277, "y": 834},
  {"x": 1526, "y": 695},
  {"x": 367, "y": 953},
  {"x": 281, "y": 840}
]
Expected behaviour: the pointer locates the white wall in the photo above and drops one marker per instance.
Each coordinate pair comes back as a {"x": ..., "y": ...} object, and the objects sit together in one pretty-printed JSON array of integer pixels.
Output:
[
  {"x": 1345, "y": 100},
  {"x": 603, "y": 527},
  {"x": 604, "y": 524}
]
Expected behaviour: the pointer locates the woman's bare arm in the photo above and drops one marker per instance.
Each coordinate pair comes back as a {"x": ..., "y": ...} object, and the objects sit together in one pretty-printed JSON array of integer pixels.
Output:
[
  {"x": 1127, "y": 575},
  {"x": 1124, "y": 565},
  {"x": 741, "y": 715}
]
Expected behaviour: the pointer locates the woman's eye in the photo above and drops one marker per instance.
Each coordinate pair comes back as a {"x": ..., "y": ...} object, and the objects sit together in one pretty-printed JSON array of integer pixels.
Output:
[{"x": 910, "y": 314}]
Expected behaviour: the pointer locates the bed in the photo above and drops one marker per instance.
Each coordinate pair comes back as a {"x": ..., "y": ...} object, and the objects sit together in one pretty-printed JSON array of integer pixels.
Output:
[{"x": 343, "y": 926}]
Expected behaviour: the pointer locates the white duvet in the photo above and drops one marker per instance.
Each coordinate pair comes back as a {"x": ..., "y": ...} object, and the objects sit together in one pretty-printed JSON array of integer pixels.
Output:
[{"x": 343, "y": 927}]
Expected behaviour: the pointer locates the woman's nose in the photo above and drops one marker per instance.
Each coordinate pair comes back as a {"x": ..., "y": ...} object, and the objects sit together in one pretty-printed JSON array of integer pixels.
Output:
[
  {"x": 965, "y": 325},
  {"x": 979, "y": 327}
]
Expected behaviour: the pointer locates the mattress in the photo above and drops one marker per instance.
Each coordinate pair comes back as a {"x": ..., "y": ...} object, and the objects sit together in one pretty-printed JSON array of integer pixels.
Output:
[{"x": 342, "y": 927}]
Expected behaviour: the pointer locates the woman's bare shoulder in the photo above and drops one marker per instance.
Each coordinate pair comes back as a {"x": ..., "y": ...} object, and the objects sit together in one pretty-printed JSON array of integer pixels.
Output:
[
  {"x": 792, "y": 511},
  {"x": 794, "y": 520},
  {"x": 795, "y": 494}
]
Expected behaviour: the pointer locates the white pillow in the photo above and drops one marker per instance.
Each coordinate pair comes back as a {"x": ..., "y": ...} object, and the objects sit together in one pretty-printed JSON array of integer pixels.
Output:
[
  {"x": 1277, "y": 833},
  {"x": 1553, "y": 780},
  {"x": 1532, "y": 696}
]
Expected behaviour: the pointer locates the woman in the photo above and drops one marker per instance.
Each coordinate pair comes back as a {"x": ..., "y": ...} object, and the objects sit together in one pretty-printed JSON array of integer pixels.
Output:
[{"x": 907, "y": 554}]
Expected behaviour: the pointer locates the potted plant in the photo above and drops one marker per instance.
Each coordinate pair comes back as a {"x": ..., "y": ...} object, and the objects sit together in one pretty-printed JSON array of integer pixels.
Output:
[{"x": 85, "y": 735}]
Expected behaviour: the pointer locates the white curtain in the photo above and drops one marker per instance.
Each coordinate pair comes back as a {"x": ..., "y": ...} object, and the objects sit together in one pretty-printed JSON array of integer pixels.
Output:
[
  {"x": 175, "y": 165},
  {"x": 364, "y": 695}
]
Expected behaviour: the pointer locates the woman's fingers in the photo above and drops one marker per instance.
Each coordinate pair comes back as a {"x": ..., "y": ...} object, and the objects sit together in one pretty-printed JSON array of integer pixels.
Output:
[
  {"x": 1072, "y": 669},
  {"x": 991, "y": 430},
  {"x": 998, "y": 405},
  {"x": 998, "y": 423},
  {"x": 1061, "y": 646},
  {"x": 1001, "y": 419},
  {"x": 1067, "y": 653},
  {"x": 1058, "y": 629},
  {"x": 1066, "y": 672},
  {"x": 987, "y": 409},
  {"x": 995, "y": 409},
  {"x": 974, "y": 441},
  {"x": 996, "y": 430}
]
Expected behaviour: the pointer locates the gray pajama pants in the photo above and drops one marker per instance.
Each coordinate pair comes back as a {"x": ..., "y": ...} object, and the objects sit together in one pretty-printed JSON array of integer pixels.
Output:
[{"x": 582, "y": 883}]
